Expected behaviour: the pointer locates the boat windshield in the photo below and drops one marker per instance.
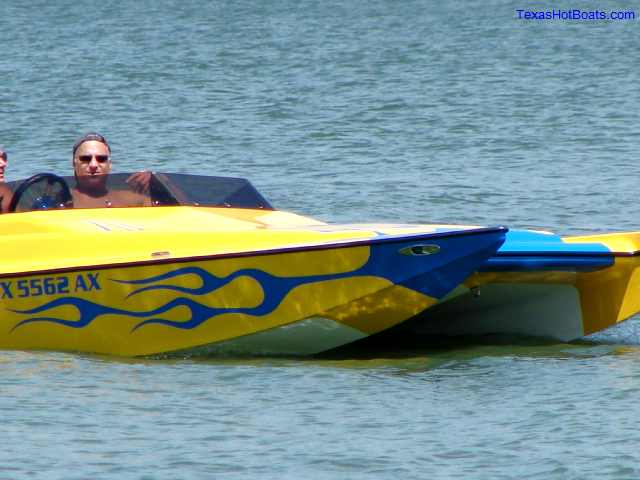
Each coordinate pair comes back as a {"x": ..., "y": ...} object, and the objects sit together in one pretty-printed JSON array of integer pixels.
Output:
[{"x": 48, "y": 191}]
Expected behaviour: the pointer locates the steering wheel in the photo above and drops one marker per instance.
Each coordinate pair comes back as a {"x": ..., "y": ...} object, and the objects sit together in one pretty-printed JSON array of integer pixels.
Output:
[{"x": 42, "y": 191}]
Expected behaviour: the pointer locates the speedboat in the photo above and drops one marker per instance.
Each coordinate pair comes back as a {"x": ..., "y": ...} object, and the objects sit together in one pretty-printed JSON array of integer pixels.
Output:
[
  {"x": 539, "y": 284},
  {"x": 192, "y": 265}
]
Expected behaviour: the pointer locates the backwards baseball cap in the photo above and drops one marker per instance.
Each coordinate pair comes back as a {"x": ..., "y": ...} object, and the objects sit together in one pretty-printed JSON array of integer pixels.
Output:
[{"x": 90, "y": 137}]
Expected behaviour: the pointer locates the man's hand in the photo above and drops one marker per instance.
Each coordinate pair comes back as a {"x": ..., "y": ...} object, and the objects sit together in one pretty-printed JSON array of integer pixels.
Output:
[{"x": 140, "y": 182}]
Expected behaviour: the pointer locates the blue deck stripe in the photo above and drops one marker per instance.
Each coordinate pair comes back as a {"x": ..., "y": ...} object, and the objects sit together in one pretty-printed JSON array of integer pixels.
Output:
[{"x": 526, "y": 250}]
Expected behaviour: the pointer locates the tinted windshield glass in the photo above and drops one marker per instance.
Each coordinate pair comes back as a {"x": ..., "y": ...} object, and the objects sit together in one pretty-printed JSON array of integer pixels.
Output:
[
  {"x": 46, "y": 191},
  {"x": 211, "y": 191}
]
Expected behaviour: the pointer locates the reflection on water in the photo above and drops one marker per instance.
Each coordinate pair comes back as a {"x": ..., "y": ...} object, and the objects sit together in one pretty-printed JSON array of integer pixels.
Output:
[{"x": 436, "y": 352}]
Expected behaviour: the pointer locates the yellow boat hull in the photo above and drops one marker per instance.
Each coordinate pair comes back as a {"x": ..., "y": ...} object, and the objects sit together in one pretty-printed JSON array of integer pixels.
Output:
[
  {"x": 107, "y": 310},
  {"x": 218, "y": 280}
]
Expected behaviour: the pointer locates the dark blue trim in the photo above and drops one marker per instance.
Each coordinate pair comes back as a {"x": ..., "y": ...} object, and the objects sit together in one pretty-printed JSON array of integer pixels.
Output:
[{"x": 539, "y": 262}]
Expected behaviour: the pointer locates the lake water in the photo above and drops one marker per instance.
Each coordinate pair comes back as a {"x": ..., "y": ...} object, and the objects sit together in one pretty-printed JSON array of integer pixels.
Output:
[{"x": 412, "y": 111}]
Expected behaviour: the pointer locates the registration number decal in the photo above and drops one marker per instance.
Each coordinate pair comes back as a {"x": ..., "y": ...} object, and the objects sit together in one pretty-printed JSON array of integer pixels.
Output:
[{"x": 45, "y": 286}]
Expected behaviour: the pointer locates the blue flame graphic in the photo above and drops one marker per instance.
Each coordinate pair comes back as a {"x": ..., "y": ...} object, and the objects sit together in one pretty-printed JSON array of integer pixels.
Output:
[
  {"x": 434, "y": 276},
  {"x": 277, "y": 288}
]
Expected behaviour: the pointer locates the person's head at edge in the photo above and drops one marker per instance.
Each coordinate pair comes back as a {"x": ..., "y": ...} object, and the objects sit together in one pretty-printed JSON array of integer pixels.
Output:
[
  {"x": 91, "y": 162},
  {"x": 4, "y": 160}
]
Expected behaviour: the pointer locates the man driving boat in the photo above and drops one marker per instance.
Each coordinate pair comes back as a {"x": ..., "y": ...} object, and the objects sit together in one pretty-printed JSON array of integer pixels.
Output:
[{"x": 91, "y": 167}]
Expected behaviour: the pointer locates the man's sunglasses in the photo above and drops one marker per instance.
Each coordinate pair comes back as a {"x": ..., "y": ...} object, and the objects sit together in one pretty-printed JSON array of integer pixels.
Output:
[{"x": 99, "y": 158}]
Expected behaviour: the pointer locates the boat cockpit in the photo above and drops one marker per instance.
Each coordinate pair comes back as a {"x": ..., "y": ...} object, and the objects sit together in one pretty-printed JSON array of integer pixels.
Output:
[{"x": 47, "y": 191}]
